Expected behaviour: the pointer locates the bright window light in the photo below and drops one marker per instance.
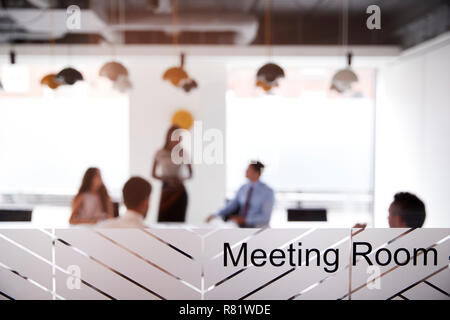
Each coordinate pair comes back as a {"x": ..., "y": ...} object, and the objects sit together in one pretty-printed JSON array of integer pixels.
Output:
[
  {"x": 308, "y": 144},
  {"x": 15, "y": 78},
  {"x": 48, "y": 142}
]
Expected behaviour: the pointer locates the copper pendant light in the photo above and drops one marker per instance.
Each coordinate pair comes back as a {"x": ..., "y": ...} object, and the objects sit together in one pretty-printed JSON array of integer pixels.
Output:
[
  {"x": 178, "y": 75},
  {"x": 50, "y": 81}
]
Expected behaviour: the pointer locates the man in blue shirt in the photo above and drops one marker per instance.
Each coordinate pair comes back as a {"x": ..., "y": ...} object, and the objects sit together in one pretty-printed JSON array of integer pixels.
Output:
[{"x": 253, "y": 202}]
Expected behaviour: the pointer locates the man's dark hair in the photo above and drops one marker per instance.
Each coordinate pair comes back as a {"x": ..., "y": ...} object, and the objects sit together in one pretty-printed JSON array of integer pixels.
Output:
[
  {"x": 410, "y": 208},
  {"x": 135, "y": 191},
  {"x": 258, "y": 166}
]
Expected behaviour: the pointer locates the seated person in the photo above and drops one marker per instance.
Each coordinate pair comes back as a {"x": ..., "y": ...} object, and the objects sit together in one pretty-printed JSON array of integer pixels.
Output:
[
  {"x": 136, "y": 196},
  {"x": 253, "y": 202},
  {"x": 92, "y": 202},
  {"x": 406, "y": 211}
]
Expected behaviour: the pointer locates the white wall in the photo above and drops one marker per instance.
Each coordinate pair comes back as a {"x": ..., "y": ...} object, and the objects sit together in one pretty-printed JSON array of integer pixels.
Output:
[
  {"x": 152, "y": 104},
  {"x": 413, "y": 131}
]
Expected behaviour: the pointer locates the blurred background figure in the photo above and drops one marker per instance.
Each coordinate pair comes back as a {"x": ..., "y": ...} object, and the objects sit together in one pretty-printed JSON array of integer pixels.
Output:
[
  {"x": 92, "y": 203},
  {"x": 136, "y": 196},
  {"x": 252, "y": 206},
  {"x": 406, "y": 211},
  {"x": 174, "y": 198}
]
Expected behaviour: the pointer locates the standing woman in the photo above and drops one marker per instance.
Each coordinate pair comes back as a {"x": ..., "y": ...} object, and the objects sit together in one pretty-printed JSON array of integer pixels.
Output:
[
  {"x": 92, "y": 203},
  {"x": 174, "y": 198}
]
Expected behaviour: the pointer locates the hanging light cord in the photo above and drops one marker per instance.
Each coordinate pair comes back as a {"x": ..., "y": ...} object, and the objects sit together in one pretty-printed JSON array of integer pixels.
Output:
[
  {"x": 175, "y": 22},
  {"x": 122, "y": 17},
  {"x": 345, "y": 24},
  {"x": 52, "y": 38},
  {"x": 112, "y": 18},
  {"x": 267, "y": 29}
]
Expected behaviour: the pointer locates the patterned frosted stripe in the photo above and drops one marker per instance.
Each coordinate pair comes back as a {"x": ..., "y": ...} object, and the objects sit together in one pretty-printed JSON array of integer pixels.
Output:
[{"x": 188, "y": 264}]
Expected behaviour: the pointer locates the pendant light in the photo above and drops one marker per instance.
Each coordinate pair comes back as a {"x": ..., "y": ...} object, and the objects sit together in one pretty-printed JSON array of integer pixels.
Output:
[
  {"x": 69, "y": 76},
  {"x": 15, "y": 76},
  {"x": 178, "y": 76},
  {"x": 114, "y": 70},
  {"x": 50, "y": 81},
  {"x": 269, "y": 74},
  {"x": 344, "y": 79}
]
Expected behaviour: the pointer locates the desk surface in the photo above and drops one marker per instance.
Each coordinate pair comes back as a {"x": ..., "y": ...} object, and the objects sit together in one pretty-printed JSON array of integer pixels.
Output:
[{"x": 58, "y": 217}]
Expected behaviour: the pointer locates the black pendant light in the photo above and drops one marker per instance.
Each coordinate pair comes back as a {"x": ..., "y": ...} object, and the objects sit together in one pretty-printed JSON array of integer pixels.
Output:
[{"x": 69, "y": 76}]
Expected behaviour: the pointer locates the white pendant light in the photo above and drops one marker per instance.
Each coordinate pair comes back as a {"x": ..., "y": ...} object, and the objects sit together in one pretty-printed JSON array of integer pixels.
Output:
[
  {"x": 15, "y": 77},
  {"x": 344, "y": 79}
]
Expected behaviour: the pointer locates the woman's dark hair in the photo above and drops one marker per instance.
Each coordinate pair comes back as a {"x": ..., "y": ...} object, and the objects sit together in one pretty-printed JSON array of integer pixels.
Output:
[
  {"x": 86, "y": 185},
  {"x": 257, "y": 166},
  {"x": 169, "y": 136}
]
